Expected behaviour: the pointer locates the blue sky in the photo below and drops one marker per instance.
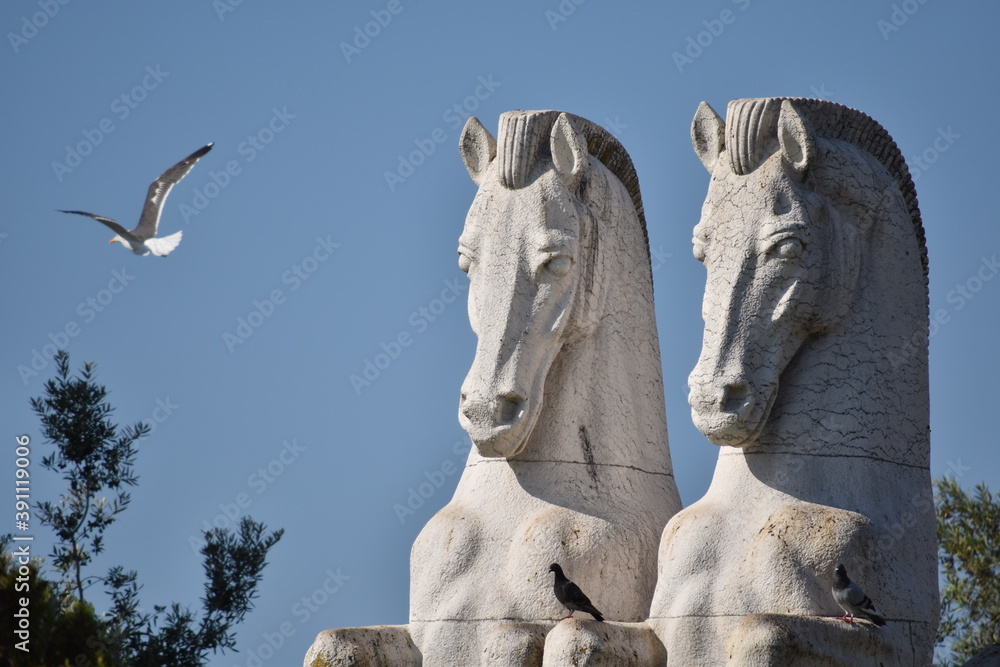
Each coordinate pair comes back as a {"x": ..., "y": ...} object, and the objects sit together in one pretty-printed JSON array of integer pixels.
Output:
[{"x": 321, "y": 233}]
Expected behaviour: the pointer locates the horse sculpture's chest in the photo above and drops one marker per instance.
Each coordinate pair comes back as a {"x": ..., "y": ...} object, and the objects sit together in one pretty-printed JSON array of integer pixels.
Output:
[{"x": 461, "y": 539}]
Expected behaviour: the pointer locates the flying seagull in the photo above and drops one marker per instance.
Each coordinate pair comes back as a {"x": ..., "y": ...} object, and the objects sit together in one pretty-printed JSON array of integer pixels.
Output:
[
  {"x": 570, "y": 595},
  {"x": 852, "y": 599},
  {"x": 141, "y": 240}
]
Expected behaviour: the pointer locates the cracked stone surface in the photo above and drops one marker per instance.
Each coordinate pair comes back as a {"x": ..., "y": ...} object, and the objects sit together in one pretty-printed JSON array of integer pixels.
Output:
[
  {"x": 563, "y": 403},
  {"x": 812, "y": 380}
]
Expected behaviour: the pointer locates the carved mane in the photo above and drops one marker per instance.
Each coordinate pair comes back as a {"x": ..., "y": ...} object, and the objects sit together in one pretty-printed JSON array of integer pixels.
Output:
[
  {"x": 522, "y": 139},
  {"x": 751, "y": 136}
]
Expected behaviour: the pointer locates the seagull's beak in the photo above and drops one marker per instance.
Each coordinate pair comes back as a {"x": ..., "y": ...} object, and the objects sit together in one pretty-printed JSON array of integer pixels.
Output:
[{"x": 113, "y": 240}]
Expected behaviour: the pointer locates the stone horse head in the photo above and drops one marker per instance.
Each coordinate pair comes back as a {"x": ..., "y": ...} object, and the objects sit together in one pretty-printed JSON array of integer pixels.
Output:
[
  {"x": 554, "y": 245},
  {"x": 787, "y": 235}
]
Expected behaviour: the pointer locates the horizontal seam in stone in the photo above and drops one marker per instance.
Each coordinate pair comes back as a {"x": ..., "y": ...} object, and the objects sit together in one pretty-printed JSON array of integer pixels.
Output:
[
  {"x": 835, "y": 456},
  {"x": 485, "y": 620},
  {"x": 579, "y": 463},
  {"x": 774, "y": 613}
]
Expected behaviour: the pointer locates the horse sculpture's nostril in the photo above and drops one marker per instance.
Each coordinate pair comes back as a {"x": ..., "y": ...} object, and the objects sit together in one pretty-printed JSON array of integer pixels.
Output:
[
  {"x": 509, "y": 408},
  {"x": 504, "y": 410},
  {"x": 736, "y": 398}
]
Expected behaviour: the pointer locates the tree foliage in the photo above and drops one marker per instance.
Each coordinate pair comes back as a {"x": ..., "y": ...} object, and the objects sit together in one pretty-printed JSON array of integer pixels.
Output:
[
  {"x": 969, "y": 550},
  {"x": 174, "y": 636},
  {"x": 95, "y": 457}
]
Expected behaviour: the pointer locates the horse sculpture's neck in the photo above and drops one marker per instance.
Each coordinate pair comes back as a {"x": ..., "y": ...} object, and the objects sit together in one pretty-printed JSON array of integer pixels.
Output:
[
  {"x": 847, "y": 417},
  {"x": 603, "y": 398},
  {"x": 861, "y": 389}
]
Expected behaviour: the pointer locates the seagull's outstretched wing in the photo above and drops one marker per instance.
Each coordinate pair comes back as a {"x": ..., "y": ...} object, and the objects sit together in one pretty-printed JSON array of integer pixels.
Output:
[
  {"x": 158, "y": 191},
  {"x": 118, "y": 229}
]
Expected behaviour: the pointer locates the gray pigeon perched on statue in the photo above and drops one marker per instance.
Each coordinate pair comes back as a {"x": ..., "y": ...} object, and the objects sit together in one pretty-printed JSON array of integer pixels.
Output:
[
  {"x": 570, "y": 595},
  {"x": 852, "y": 599}
]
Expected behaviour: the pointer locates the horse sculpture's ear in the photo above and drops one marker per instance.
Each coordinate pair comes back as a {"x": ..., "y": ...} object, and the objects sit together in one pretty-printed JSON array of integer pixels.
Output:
[
  {"x": 569, "y": 152},
  {"x": 708, "y": 135},
  {"x": 478, "y": 148},
  {"x": 796, "y": 138}
]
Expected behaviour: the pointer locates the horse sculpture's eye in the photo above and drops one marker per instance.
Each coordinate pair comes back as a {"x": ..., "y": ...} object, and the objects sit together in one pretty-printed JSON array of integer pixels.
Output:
[
  {"x": 559, "y": 265},
  {"x": 464, "y": 262},
  {"x": 788, "y": 248}
]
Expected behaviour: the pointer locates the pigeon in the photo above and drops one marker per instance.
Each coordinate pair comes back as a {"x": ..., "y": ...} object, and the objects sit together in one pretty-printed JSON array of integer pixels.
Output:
[
  {"x": 570, "y": 595},
  {"x": 852, "y": 599},
  {"x": 141, "y": 240}
]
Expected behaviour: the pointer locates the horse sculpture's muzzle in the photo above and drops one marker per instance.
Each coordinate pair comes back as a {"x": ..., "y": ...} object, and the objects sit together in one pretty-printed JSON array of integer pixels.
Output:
[
  {"x": 494, "y": 423},
  {"x": 729, "y": 412}
]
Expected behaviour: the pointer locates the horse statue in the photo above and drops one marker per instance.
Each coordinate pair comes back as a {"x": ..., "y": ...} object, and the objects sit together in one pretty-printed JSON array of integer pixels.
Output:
[
  {"x": 812, "y": 380},
  {"x": 563, "y": 403}
]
